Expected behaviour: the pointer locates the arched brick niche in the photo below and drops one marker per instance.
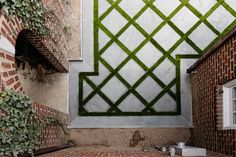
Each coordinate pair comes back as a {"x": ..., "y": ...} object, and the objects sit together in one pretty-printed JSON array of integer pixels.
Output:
[
  {"x": 48, "y": 49},
  {"x": 10, "y": 77},
  {"x": 9, "y": 31}
]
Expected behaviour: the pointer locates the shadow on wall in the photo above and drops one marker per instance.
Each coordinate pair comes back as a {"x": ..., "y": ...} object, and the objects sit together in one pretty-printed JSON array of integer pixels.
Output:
[
  {"x": 29, "y": 59},
  {"x": 40, "y": 79}
]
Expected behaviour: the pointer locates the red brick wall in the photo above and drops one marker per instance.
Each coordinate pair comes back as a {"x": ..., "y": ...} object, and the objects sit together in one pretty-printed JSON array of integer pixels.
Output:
[
  {"x": 10, "y": 28},
  {"x": 215, "y": 70},
  {"x": 54, "y": 135},
  {"x": 219, "y": 107},
  {"x": 8, "y": 74}
]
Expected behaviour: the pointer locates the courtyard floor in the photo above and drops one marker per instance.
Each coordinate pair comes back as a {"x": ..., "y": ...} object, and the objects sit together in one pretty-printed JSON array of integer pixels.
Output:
[{"x": 76, "y": 152}]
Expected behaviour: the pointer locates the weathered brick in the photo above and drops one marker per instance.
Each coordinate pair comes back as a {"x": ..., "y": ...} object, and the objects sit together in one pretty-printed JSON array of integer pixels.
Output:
[
  {"x": 13, "y": 65},
  {"x": 6, "y": 65},
  {"x": 5, "y": 74},
  {"x": 11, "y": 27},
  {"x": 16, "y": 78},
  {"x": 10, "y": 81},
  {"x": 9, "y": 57},
  {"x": 50, "y": 136},
  {"x": 3, "y": 31},
  {"x": 2, "y": 55},
  {"x": 17, "y": 85},
  {"x": 5, "y": 25},
  {"x": 12, "y": 72},
  {"x": 17, "y": 22},
  {"x": 21, "y": 89},
  {"x": 12, "y": 41}
]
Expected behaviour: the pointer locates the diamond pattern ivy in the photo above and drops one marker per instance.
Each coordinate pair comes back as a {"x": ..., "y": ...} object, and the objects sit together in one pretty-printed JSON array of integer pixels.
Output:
[{"x": 150, "y": 28}]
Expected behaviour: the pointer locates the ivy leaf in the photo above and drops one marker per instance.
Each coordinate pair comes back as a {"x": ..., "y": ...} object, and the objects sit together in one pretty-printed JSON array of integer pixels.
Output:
[
  {"x": 17, "y": 132},
  {"x": 2, "y": 1},
  {"x": 15, "y": 153},
  {"x": 5, "y": 9}
]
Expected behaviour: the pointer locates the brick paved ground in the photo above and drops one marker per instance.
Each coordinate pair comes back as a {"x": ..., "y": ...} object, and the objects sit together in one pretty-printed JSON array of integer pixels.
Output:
[{"x": 108, "y": 153}]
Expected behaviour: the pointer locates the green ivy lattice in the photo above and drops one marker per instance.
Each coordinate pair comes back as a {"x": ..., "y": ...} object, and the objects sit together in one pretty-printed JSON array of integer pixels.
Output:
[{"x": 114, "y": 109}]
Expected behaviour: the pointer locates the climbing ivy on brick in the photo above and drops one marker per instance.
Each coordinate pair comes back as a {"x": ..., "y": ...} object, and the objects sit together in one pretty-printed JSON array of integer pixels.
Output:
[
  {"x": 20, "y": 125},
  {"x": 31, "y": 12}
]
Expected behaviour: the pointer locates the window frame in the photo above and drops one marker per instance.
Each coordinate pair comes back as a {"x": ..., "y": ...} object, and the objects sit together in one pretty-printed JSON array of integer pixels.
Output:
[{"x": 228, "y": 113}]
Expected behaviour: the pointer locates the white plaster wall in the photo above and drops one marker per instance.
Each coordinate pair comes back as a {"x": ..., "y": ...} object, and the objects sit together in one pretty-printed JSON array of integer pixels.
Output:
[
  {"x": 6, "y": 45},
  {"x": 52, "y": 93}
]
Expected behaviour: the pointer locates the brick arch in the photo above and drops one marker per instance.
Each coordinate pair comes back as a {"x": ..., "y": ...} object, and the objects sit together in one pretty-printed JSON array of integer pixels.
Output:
[
  {"x": 11, "y": 29},
  {"x": 48, "y": 49},
  {"x": 8, "y": 75}
]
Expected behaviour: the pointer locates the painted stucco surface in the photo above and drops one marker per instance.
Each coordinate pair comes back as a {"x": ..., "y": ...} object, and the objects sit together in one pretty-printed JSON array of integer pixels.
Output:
[
  {"x": 53, "y": 92},
  {"x": 135, "y": 57}
]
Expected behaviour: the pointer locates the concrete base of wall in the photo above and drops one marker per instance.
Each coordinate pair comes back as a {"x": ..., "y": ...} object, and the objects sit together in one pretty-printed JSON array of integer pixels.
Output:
[{"x": 137, "y": 138}]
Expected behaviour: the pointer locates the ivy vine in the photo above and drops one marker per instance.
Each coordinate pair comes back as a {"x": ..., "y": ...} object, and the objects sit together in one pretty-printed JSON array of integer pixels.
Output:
[
  {"x": 20, "y": 124},
  {"x": 32, "y": 12}
]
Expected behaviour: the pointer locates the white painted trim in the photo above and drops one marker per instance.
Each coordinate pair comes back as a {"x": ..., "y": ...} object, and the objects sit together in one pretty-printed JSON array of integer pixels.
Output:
[
  {"x": 230, "y": 84},
  {"x": 228, "y": 106}
]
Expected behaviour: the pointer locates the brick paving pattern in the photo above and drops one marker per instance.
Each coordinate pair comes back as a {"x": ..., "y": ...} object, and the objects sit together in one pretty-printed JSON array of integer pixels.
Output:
[{"x": 96, "y": 153}]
